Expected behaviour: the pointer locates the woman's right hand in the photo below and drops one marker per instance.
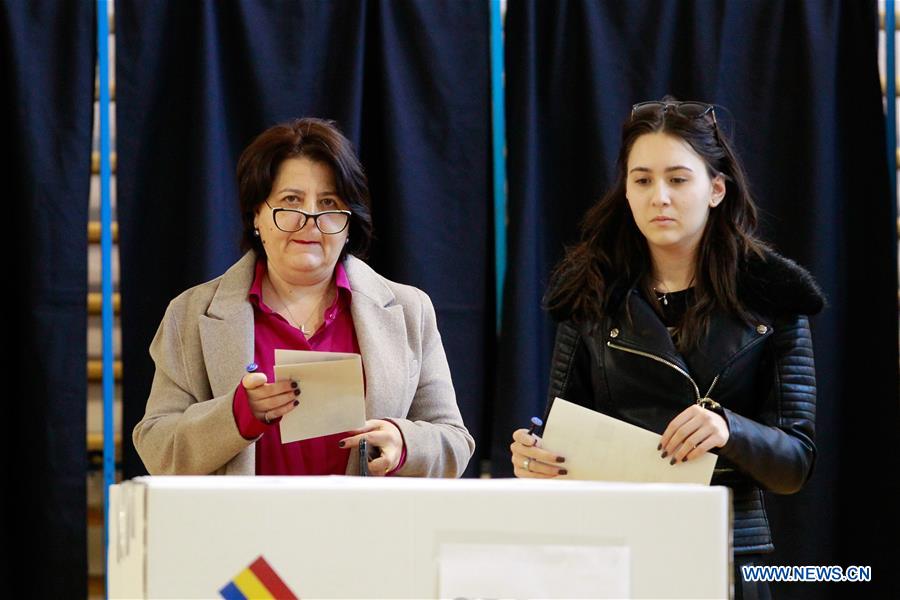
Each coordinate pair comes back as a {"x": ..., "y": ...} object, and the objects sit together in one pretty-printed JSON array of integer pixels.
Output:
[
  {"x": 530, "y": 460},
  {"x": 269, "y": 401}
]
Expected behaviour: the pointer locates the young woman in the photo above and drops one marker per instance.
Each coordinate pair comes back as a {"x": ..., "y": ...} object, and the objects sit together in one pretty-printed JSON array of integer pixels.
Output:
[{"x": 673, "y": 316}]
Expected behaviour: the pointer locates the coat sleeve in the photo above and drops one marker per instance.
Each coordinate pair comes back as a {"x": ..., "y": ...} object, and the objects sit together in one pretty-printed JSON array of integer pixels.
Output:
[
  {"x": 437, "y": 442},
  {"x": 181, "y": 433},
  {"x": 570, "y": 369},
  {"x": 778, "y": 449}
]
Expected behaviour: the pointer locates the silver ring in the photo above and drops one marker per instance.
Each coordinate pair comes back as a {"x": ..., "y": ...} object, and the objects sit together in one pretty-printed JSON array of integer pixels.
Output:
[{"x": 526, "y": 463}]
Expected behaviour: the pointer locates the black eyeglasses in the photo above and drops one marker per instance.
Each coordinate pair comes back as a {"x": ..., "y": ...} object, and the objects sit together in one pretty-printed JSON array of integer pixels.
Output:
[
  {"x": 329, "y": 222},
  {"x": 689, "y": 109}
]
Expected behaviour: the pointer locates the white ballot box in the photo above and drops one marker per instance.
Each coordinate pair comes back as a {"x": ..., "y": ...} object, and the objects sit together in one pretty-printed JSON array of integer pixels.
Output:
[{"x": 358, "y": 537}]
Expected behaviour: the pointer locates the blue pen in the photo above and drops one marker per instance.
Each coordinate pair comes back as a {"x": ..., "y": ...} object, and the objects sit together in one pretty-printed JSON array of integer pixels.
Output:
[
  {"x": 252, "y": 367},
  {"x": 535, "y": 423}
]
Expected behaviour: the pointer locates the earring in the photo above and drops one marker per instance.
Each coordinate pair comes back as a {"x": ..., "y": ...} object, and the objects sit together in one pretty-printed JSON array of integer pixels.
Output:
[
  {"x": 256, "y": 232},
  {"x": 347, "y": 240}
]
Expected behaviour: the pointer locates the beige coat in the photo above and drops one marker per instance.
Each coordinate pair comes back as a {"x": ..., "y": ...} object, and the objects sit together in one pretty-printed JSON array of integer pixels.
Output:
[{"x": 206, "y": 339}]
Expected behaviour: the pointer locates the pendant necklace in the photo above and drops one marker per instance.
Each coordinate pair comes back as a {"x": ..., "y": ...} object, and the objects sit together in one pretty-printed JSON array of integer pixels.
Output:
[
  {"x": 302, "y": 324},
  {"x": 661, "y": 297}
]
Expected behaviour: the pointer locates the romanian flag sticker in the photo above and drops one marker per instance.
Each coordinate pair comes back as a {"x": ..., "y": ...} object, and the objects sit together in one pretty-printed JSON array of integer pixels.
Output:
[{"x": 258, "y": 581}]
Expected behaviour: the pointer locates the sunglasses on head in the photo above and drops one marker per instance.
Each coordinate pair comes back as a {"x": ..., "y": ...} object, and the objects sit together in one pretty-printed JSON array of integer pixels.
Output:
[{"x": 689, "y": 109}]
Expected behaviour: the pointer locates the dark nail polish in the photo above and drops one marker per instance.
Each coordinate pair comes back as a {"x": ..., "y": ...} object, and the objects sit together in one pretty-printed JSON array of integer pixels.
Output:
[
  {"x": 296, "y": 392},
  {"x": 296, "y": 402},
  {"x": 684, "y": 459},
  {"x": 659, "y": 446},
  {"x": 672, "y": 462},
  {"x": 560, "y": 459},
  {"x": 294, "y": 384},
  {"x": 341, "y": 444},
  {"x": 563, "y": 472},
  {"x": 665, "y": 454}
]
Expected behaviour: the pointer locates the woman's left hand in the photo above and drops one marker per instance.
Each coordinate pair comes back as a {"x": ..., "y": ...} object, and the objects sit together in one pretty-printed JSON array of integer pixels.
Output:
[
  {"x": 692, "y": 433},
  {"x": 386, "y": 437}
]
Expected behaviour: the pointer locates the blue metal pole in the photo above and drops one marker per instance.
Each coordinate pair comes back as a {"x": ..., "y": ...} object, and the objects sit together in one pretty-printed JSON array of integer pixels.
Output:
[
  {"x": 109, "y": 449},
  {"x": 891, "y": 94},
  {"x": 499, "y": 142}
]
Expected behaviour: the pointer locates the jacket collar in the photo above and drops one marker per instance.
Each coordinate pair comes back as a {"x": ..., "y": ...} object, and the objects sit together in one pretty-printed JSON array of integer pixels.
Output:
[
  {"x": 775, "y": 285},
  {"x": 226, "y": 330},
  {"x": 727, "y": 339},
  {"x": 231, "y": 294},
  {"x": 380, "y": 324},
  {"x": 771, "y": 285},
  {"x": 365, "y": 281}
]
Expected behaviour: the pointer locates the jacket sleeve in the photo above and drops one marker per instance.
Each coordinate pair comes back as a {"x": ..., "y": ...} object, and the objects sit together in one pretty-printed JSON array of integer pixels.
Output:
[
  {"x": 181, "y": 433},
  {"x": 570, "y": 369},
  {"x": 437, "y": 442},
  {"x": 778, "y": 449}
]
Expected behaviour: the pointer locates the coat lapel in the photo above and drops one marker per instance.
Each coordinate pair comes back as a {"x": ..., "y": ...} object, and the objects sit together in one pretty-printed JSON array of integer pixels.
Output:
[
  {"x": 381, "y": 332},
  {"x": 226, "y": 331},
  {"x": 728, "y": 337},
  {"x": 644, "y": 330}
]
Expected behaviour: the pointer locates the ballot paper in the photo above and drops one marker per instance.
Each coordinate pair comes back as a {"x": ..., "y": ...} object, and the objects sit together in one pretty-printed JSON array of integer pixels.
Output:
[
  {"x": 332, "y": 393},
  {"x": 599, "y": 447}
]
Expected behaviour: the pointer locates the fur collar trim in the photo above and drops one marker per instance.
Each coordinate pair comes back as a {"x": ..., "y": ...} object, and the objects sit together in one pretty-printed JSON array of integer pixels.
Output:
[
  {"x": 771, "y": 285},
  {"x": 777, "y": 285}
]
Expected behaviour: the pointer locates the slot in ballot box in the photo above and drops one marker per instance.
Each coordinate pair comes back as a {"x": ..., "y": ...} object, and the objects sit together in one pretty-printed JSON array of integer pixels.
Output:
[{"x": 357, "y": 537}]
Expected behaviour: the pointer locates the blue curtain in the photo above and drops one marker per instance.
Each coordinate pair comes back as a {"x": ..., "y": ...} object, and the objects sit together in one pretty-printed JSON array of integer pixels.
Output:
[
  {"x": 801, "y": 82},
  {"x": 47, "y": 56},
  {"x": 407, "y": 82}
]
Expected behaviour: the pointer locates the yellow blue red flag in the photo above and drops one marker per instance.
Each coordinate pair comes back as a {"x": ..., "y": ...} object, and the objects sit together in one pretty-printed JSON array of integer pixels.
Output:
[{"x": 259, "y": 581}]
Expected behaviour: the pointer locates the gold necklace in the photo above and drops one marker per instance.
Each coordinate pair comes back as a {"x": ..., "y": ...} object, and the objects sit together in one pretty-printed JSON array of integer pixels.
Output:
[{"x": 302, "y": 325}]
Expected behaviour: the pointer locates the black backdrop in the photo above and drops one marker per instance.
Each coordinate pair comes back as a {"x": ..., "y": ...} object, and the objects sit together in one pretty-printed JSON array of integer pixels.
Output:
[
  {"x": 407, "y": 82},
  {"x": 46, "y": 76},
  {"x": 801, "y": 83}
]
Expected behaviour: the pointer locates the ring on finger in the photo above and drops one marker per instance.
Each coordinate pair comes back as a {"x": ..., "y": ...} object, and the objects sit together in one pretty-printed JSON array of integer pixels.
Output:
[{"x": 526, "y": 464}]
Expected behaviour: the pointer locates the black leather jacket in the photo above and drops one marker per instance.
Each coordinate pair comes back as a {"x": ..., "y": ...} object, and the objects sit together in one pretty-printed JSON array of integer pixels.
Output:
[{"x": 762, "y": 375}]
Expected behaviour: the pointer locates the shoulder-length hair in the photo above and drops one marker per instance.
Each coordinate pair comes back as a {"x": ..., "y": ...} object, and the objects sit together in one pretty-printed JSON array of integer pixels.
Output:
[
  {"x": 612, "y": 254},
  {"x": 319, "y": 141}
]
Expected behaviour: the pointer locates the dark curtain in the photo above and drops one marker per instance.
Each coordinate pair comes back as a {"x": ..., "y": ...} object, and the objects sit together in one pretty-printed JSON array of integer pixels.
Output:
[
  {"x": 407, "y": 82},
  {"x": 47, "y": 52},
  {"x": 801, "y": 82}
]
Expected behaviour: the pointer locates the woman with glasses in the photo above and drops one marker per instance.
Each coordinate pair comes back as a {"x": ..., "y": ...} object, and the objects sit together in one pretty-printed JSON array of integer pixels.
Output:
[
  {"x": 675, "y": 317},
  {"x": 215, "y": 405}
]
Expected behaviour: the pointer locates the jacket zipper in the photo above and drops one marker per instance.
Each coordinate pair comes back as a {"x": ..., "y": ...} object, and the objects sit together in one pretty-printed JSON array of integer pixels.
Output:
[
  {"x": 659, "y": 359},
  {"x": 711, "y": 403}
]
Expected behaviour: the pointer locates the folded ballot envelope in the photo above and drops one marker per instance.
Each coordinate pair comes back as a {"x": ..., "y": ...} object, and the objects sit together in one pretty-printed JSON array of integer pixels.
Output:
[
  {"x": 602, "y": 448},
  {"x": 332, "y": 393}
]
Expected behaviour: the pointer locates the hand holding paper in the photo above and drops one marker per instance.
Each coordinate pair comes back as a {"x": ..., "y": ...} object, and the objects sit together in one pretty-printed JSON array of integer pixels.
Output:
[
  {"x": 269, "y": 401},
  {"x": 692, "y": 433},
  {"x": 599, "y": 447},
  {"x": 333, "y": 398}
]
